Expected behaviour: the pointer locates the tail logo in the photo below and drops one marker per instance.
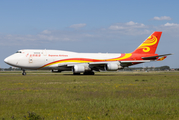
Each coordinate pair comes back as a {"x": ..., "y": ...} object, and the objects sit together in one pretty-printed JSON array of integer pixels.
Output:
[
  {"x": 146, "y": 49},
  {"x": 151, "y": 40}
]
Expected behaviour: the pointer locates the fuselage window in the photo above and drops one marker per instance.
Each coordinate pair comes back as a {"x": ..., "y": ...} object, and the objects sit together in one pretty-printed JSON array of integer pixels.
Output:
[{"x": 36, "y": 52}]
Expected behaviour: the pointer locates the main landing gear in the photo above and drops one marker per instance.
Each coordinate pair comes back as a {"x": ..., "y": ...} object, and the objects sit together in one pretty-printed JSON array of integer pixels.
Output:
[
  {"x": 85, "y": 73},
  {"x": 23, "y": 72},
  {"x": 76, "y": 73},
  {"x": 88, "y": 73}
]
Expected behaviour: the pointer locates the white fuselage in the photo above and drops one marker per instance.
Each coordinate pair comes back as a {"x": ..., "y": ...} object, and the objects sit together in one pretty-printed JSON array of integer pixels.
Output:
[{"x": 47, "y": 59}]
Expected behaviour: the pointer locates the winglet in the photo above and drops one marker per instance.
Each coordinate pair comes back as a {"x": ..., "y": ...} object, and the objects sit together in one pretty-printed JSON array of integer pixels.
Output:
[{"x": 149, "y": 46}]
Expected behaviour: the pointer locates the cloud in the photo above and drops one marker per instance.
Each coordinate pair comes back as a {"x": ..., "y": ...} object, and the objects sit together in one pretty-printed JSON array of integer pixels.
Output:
[
  {"x": 128, "y": 25},
  {"x": 131, "y": 23},
  {"x": 46, "y": 36},
  {"x": 129, "y": 28},
  {"x": 162, "y": 18},
  {"x": 46, "y": 32},
  {"x": 169, "y": 29},
  {"x": 77, "y": 26},
  {"x": 171, "y": 25},
  {"x": 113, "y": 32}
]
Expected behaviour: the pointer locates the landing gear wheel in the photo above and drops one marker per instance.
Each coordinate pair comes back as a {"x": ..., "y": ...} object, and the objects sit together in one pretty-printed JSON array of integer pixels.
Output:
[
  {"x": 23, "y": 73},
  {"x": 88, "y": 73},
  {"x": 76, "y": 73}
]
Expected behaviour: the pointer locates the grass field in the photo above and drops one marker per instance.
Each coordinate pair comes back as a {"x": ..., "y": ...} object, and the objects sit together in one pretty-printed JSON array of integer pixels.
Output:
[{"x": 113, "y": 95}]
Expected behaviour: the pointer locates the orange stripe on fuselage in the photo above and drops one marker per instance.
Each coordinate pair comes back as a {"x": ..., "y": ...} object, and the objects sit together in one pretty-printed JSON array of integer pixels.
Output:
[{"x": 87, "y": 60}]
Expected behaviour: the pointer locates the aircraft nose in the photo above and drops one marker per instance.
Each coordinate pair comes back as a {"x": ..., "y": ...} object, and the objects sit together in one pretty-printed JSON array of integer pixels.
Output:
[
  {"x": 11, "y": 60},
  {"x": 6, "y": 60}
]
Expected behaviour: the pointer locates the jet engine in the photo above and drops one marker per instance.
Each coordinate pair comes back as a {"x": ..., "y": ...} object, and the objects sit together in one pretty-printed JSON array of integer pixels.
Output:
[
  {"x": 113, "y": 66},
  {"x": 78, "y": 69}
]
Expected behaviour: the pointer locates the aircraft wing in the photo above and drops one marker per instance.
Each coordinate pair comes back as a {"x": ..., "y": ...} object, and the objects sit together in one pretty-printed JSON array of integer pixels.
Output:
[
  {"x": 97, "y": 66},
  {"x": 101, "y": 65},
  {"x": 121, "y": 62},
  {"x": 128, "y": 63}
]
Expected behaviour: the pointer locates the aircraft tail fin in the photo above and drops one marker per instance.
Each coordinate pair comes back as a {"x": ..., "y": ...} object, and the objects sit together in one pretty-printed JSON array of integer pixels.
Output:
[{"x": 149, "y": 46}]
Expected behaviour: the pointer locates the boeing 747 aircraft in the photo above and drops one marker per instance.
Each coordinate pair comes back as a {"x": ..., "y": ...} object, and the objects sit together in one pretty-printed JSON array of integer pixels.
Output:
[{"x": 86, "y": 63}]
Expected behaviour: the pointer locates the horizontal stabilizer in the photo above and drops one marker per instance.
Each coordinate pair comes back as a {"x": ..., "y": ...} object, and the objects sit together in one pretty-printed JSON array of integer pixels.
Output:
[{"x": 155, "y": 57}]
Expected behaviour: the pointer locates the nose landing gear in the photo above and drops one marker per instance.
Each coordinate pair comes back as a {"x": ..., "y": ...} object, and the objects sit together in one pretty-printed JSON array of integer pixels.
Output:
[{"x": 23, "y": 72}]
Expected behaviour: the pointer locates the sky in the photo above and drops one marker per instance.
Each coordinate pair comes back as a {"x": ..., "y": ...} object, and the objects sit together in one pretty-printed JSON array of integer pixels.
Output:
[{"x": 92, "y": 26}]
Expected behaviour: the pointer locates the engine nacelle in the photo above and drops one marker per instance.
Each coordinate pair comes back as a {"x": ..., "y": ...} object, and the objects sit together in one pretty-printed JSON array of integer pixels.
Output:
[
  {"x": 113, "y": 67},
  {"x": 78, "y": 69}
]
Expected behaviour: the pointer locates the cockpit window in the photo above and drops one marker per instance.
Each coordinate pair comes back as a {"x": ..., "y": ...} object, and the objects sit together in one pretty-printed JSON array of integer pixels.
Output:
[{"x": 18, "y": 51}]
